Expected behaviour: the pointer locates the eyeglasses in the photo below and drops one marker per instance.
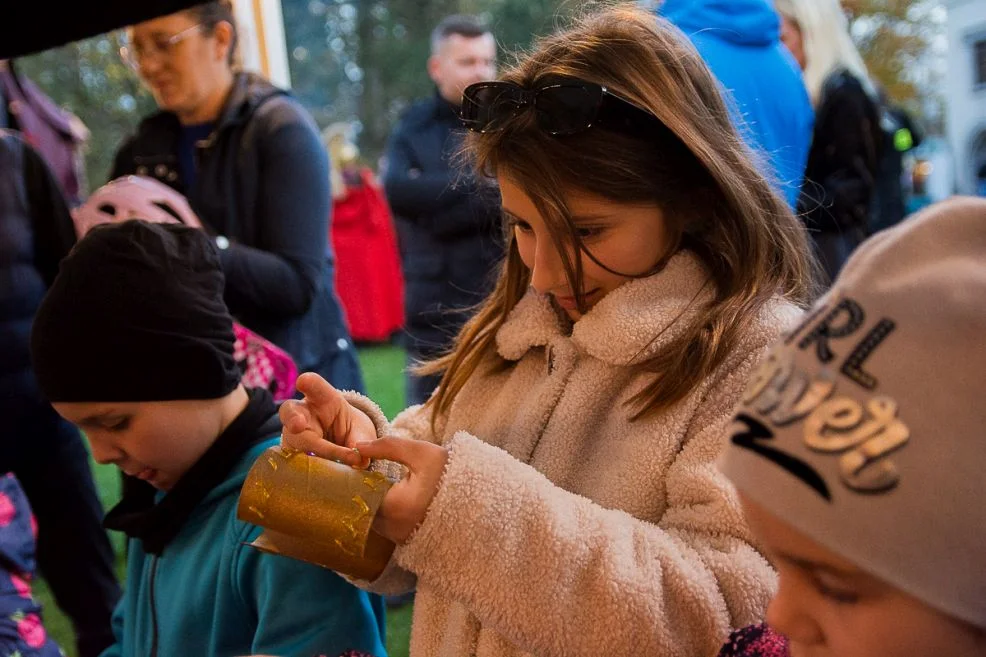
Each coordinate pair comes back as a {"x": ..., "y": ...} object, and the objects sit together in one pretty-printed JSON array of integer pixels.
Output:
[
  {"x": 563, "y": 106},
  {"x": 132, "y": 55}
]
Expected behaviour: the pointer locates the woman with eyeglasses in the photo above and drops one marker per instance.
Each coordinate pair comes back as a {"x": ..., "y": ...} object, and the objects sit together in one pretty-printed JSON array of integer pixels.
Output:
[
  {"x": 251, "y": 163},
  {"x": 559, "y": 494}
]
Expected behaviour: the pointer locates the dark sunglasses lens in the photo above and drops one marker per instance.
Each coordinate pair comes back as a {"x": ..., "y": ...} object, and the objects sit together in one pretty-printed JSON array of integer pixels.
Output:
[
  {"x": 486, "y": 107},
  {"x": 565, "y": 110}
]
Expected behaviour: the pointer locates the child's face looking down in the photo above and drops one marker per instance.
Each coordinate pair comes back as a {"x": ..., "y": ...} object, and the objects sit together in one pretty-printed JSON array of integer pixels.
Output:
[
  {"x": 828, "y": 607},
  {"x": 630, "y": 239},
  {"x": 154, "y": 441}
]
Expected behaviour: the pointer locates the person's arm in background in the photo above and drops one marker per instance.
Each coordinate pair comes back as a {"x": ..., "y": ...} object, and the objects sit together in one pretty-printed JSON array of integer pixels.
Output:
[
  {"x": 851, "y": 154},
  {"x": 444, "y": 203},
  {"x": 54, "y": 231},
  {"x": 412, "y": 192},
  {"x": 283, "y": 272}
]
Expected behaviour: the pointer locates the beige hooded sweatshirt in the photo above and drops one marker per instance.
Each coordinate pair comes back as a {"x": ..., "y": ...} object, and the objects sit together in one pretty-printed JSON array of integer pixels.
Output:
[{"x": 560, "y": 527}]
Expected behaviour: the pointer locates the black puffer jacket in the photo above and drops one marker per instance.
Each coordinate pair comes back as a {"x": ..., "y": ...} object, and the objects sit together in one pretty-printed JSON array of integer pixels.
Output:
[
  {"x": 447, "y": 223},
  {"x": 36, "y": 232},
  {"x": 263, "y": 183},
  {"x": 842, "y": 164}
]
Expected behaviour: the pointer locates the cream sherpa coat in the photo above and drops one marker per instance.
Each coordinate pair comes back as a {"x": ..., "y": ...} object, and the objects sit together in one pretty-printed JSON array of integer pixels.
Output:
[{"x": 562, "y": 528}]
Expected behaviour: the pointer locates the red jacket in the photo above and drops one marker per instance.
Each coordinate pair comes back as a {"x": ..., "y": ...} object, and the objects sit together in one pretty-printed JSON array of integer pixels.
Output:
[{"x": 369, "y": 281}]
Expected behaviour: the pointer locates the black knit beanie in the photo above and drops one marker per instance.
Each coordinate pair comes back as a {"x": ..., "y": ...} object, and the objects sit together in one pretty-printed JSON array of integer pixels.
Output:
[{"x": 136, "y": 313}]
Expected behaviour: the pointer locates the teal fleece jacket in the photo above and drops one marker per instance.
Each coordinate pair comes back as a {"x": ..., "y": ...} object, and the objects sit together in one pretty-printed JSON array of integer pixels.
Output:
[{"x": 211, "y": 595}]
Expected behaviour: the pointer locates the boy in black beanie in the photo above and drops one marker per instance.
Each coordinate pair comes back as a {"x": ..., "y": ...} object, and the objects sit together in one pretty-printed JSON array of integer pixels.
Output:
[{"x": 134, "y": 345}]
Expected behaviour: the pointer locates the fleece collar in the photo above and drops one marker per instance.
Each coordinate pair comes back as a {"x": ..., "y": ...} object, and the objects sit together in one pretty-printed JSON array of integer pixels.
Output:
[{"x": 627, "y": 326}]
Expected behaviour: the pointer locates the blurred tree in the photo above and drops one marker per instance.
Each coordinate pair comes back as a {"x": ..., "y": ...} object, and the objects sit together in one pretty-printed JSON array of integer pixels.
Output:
[
  {"x": 894, "y": 37},
  {"x": 365, "y": 60},
  {"x": 362, "y": 61},
  {"x": 88, "y": 79}
]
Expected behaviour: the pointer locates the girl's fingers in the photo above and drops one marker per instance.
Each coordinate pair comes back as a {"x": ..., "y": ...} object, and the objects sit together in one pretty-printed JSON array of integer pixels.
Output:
[
  {"x": 340, "y": 422},
  {"x": 405, "y": 505},
  {"x": 295, "y": 417},
  {"x": 400, "y": 450},
  {"x": 324, "y": 401},
  {"x": 302, "y": 432}
]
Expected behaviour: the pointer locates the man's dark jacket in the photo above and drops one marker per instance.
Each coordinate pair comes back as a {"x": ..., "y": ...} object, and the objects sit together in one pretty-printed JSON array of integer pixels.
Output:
[{"x": 447, "y": 222}]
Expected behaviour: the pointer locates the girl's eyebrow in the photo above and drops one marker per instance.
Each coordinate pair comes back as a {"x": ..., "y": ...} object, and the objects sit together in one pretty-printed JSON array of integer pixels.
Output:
[
  {"x": 580, "y": 219},
  {"x": 591, "y": 218},
  {"x": 511, "y": 215}
]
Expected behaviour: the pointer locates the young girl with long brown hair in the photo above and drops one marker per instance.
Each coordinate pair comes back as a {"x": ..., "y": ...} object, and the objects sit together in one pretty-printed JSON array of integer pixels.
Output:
[{"x": 560, "y": 496}]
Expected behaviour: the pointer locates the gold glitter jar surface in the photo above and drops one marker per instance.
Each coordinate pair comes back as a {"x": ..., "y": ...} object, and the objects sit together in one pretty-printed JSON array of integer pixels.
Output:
[{"x": 317, "y": 511}]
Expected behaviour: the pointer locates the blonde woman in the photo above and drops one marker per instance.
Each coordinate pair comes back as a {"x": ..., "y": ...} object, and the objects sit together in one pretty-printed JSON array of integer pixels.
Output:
[
  {"x": 562, "y": 497},
  {"x": 842, "y": 164}
]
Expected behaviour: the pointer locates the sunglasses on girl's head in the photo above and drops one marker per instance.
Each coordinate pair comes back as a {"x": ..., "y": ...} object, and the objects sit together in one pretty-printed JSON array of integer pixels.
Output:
[{"x": 562, "y": 107}]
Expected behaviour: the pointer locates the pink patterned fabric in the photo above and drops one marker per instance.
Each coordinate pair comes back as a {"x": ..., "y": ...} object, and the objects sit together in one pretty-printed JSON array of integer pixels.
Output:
[
  {"x": 31, "y": 630},
  {"x": 755, "y": 641},
  {"x": 264, "y": 364},
  {"x": 22, "y": 631}
]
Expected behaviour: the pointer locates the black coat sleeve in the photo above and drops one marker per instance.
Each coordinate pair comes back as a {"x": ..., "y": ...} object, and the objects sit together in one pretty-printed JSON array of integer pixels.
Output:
[
  {"x": 412, "y": 192},
  {"x": 447, "y": 203},
  {"x": 54, "y": 230},
  {"x": 845, "y": 159},
  {"x": 282, "y": 273}
]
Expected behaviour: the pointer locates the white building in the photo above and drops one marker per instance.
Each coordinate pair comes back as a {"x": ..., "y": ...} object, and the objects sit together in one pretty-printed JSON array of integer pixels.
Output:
[{"x": 966, "y": 92}]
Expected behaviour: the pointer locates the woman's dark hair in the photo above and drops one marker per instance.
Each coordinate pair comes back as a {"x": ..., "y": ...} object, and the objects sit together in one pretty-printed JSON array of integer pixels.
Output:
[{"x": 211, "y": 14}]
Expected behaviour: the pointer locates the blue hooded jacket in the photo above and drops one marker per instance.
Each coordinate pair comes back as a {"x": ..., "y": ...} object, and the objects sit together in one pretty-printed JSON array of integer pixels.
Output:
[{"x": 740, "y": 42}]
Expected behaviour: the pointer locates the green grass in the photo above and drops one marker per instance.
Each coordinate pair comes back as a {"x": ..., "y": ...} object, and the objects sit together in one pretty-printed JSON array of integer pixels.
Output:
[{"x": 383, "y": 370}]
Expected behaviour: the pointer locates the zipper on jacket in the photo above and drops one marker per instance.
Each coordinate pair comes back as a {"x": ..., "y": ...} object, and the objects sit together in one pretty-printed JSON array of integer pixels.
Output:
[
  {"x": 199, "y": 148},
  {"x": 154, "y": 630}
]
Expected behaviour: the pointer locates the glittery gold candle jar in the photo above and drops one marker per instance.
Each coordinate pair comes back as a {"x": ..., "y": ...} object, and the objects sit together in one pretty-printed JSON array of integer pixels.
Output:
[{"x": 317, "y": 511}]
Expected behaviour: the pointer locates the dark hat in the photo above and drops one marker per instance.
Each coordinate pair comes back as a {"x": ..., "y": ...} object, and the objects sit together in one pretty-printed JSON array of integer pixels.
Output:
[{"x": 136, "y": 313}]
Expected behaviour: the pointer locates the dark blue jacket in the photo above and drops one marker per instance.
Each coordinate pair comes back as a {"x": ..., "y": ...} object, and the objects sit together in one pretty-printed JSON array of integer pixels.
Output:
[
  {"x": 740, "y": 41},
  {"x": 447, "y": 223},
  {"x": 36, "y": 232},
  {"x": 263, "y": 183}
]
